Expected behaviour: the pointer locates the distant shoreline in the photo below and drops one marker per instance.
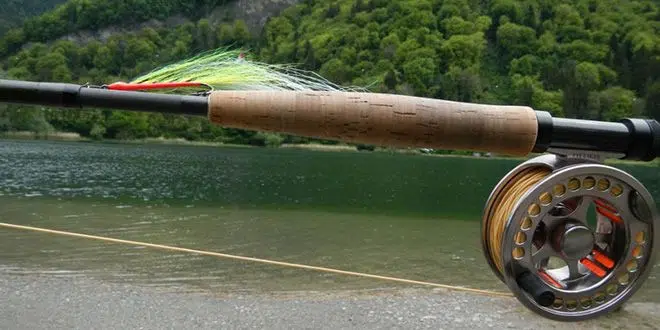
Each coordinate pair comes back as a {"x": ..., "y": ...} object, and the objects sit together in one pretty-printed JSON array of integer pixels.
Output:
[
  {"x": 53, "y": 136},
  {"x": 75, "y": 137}
]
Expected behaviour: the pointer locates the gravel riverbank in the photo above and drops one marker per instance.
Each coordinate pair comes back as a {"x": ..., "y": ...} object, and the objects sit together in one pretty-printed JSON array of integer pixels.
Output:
[{"x": 49, "y": 302}]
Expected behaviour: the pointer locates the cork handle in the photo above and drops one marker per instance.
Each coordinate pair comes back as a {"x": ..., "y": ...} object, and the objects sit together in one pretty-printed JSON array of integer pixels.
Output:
[{"x": 380, "y": 119}]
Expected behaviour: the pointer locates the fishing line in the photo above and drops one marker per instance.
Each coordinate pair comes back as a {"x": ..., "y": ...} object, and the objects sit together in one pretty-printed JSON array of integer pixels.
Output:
[
  {"x": 258, "y": 260},
  {"x": 504, "y": 206}
]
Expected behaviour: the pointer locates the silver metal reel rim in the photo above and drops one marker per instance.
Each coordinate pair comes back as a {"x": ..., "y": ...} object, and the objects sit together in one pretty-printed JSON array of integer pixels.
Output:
[{"x": 587, "y": 168}]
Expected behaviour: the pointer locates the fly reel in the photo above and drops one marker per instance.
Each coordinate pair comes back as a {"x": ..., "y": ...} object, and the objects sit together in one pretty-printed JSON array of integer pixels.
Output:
[{"x": 572, "y": 238}]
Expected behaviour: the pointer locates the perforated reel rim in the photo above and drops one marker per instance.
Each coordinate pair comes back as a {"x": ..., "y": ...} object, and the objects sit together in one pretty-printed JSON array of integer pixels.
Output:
[{"x": 560, "y": 166}]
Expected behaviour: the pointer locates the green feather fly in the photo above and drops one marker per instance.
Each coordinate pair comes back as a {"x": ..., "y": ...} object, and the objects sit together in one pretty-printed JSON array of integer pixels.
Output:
[{"x": 227, "y": 69}]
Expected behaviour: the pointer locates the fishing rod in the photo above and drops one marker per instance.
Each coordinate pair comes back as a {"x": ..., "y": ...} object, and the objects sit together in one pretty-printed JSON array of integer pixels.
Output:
[
  {"x": 360, "y": 117},
  {"x": 539, "y": 236}
]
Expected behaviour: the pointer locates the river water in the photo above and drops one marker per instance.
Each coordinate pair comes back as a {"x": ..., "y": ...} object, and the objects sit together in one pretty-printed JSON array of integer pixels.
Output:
[{"x": 407, "y": 216}]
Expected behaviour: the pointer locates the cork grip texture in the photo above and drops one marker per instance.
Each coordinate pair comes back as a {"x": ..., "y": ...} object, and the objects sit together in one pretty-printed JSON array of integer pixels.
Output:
[{"x": 380, "y": 119}]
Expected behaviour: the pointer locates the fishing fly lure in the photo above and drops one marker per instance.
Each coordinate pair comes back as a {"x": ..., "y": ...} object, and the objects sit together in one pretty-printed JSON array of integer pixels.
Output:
[{"x": 228, "y": 69}]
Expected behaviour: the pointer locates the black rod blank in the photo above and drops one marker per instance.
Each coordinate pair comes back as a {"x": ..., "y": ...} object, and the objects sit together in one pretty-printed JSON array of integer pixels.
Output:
[{"x": 76, "y": 96}]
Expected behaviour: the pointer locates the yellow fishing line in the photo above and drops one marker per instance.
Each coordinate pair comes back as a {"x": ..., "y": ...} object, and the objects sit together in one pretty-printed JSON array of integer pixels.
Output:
[
  {"x": 502, "y": 208},
  {"x": 242, "y": 258}
]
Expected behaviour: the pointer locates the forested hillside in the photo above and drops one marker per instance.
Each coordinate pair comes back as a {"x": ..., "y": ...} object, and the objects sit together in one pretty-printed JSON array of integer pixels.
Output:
[
  {"x": 15, "y": 11},
  {"x": 583, "y": 59},
  {"x": 75, "y": 15}
]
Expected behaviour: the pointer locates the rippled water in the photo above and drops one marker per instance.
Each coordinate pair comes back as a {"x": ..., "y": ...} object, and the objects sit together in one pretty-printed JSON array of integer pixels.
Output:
[
  {"x": 414, "y": 249},
  {"x": 396, "y": 215},
  {"x": 291, "y": 179}
]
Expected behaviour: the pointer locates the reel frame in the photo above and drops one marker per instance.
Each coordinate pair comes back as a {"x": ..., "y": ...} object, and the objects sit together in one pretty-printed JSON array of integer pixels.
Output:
[{"x": 585, "y": 288}]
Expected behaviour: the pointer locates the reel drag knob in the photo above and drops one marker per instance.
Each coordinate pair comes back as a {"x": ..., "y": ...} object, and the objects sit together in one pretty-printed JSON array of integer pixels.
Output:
[{"x": 572, "y": 240}]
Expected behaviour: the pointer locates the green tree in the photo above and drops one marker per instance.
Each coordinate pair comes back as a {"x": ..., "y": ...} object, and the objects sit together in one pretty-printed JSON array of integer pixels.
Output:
[
  {"x": 516, "y": 40},
  {"x": 612, "y": 104},
  {"x": 653, "y": 100}
]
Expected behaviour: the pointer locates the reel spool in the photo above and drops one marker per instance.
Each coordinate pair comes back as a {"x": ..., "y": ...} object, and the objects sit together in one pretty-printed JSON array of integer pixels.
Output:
[{"x": 572, "y": 238}]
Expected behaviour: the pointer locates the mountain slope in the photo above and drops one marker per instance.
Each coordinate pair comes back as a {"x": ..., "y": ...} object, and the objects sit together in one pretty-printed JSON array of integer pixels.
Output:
[
  {"x": 574, "y": 58},
  {"x": 76, "y": 15},
  {"x": 15, "y": 11}
]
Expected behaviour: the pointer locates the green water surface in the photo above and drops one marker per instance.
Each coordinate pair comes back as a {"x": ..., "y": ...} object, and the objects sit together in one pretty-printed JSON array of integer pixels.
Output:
[{"x": 410, "y": 216}]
